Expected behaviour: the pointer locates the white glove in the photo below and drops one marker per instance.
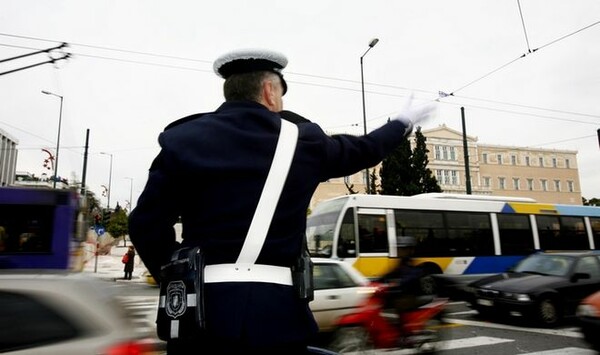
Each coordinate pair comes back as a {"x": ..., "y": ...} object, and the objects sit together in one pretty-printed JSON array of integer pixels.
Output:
[{"x": 412, "y": 115}]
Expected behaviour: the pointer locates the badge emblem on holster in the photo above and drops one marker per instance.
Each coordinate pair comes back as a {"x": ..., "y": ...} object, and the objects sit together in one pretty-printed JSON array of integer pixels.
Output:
[{"x": 176, "y": 302}]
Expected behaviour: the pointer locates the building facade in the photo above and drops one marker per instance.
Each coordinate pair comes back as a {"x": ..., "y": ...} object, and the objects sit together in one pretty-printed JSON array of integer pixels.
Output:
[
  {"x": 546, "y": 175},
  {"x": 8, "y": 158}
]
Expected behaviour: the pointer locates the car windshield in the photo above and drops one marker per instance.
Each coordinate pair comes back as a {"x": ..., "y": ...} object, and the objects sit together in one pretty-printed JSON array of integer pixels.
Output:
[{"x": 555, "y": 265}]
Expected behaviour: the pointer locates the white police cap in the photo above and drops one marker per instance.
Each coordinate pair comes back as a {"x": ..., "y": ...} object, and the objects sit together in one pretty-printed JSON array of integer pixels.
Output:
[{"x": 250, "y": 60}]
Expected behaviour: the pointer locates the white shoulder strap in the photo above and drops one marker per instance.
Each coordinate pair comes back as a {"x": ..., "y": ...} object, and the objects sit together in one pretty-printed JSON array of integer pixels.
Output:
[{"x": 284, "y": 153}]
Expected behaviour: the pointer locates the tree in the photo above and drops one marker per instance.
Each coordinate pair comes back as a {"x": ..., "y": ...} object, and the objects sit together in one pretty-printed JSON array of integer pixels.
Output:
[
  {"x": 118, "y": 225},
  {"x": 591, "y": 202},
  {"x": 404, "y": 172}
]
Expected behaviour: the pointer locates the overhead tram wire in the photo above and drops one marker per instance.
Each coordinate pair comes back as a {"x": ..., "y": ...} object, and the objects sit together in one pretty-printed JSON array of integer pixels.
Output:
[
  {"x": 522, "y": 56},
  {"x": 314, "y": 76},
  {"x": 524, "y": 29}
]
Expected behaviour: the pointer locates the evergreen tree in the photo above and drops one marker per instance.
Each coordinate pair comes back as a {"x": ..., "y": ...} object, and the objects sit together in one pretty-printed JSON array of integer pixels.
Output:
[
  {"x": 118, "y": 225},
  {"x": 404, "y": 172}
]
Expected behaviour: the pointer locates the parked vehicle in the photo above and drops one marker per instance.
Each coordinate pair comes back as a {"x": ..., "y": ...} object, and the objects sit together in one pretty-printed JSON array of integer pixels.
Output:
[
  {"x": 64, "y": 313},
  {"x": 545, "y": 287},
  {"x": 372, "y": 326},
  {"x": 588, "y": 314}
]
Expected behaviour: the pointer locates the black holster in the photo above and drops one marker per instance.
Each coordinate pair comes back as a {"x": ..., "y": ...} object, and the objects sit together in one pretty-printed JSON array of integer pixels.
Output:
[
  {"x": 181, "y": 305},
  {"x": 302, "y": 276}
]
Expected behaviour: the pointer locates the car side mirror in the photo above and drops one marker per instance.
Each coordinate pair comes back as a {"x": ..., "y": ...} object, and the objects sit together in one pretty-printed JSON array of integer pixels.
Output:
[{"x": 580, "y": 276}]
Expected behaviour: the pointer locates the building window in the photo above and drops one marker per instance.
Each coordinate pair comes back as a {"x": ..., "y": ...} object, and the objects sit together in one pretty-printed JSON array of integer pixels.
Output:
[
  {"x": 557, "y": 185},
  {"x": 544, "y": 183},
  {"x": 554, "y": 162},
  {"x": 571, "y": 186},
  {"x": 568, "y": 163},
  {"x": 484, "y": 157},
  {"x": 447, "y": 177},
  {"x": 501, "y": 183},
  {"x": 516, "y": 183},
  {"x": 454, "y": 177},
  {"x": 438, "y": 155},
  {"x": 541, "y": 161},
  {"x": 364, "y": 177},
  {"x": 439, "y": 176},
  {"x": 500, "y": 159},
  {"x": 486, "y": 181},
  {"x": 513, "y": 159},
  {"x": 452, "y": 153},
  {"x": 444, "y": 152},
  {"x": 530, "y": 184},
  {"x": 527, "y": 161}
]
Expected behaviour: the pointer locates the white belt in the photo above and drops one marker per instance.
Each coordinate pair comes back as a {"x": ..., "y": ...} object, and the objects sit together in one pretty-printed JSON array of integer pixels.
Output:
[{"x": 247, "y": 273}]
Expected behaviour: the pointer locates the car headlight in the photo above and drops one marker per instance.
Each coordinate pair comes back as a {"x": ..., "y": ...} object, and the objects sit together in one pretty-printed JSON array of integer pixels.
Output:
[
  {"x": 521, "y": 297},
  {"x": 587, "y": 310}
]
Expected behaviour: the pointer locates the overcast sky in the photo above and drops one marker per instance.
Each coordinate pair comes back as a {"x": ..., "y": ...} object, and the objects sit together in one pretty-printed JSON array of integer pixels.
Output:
[{"x": 527, "y": 72}]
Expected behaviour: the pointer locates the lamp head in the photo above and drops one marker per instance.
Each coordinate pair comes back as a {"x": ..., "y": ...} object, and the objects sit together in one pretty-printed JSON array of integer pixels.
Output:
[{"x": 373, "y": 42}]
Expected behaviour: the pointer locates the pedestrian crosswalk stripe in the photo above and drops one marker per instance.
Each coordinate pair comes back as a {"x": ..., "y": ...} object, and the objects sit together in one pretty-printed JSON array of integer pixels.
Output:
[{"x": 570, "y": 351}]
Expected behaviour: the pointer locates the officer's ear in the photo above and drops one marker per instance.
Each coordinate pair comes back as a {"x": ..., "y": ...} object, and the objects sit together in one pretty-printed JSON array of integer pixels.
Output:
[{"x": 269, "y": 93}]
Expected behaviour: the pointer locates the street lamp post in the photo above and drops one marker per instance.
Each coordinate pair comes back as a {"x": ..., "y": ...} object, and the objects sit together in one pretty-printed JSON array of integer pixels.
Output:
[
  {"x": 130, "y": 193},
  {"x": 109, "y": 179},
  {"x": 362, "y": 81},
  {"x": 58, "y": 137}
]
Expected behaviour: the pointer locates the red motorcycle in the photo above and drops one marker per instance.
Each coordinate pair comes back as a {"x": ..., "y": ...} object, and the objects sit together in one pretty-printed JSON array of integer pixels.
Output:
[{"x": 373, "y": 326}]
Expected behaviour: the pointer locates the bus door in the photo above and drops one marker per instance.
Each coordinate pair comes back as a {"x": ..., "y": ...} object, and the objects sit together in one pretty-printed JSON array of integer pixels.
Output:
[{"x": 373, "y": 241}]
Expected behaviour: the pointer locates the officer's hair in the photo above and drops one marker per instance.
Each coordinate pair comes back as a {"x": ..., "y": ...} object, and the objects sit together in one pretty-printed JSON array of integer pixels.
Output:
[{"x": 245, "y": 86}]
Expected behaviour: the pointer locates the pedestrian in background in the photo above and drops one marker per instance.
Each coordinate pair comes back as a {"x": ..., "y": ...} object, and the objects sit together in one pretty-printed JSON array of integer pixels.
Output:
[
  {"x": 211, "y": 171},
  {"x": 128, "y": 260}
]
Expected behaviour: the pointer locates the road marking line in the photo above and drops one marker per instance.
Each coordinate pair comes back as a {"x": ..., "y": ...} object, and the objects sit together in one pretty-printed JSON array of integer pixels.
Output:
[
  {"x": 570, "y": 351},
  {"x": 451, "y": 345},
  {"x": 559, "y": 332}
]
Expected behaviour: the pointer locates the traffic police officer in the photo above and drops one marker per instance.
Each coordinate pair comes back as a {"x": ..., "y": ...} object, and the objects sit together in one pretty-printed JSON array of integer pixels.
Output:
[{"x": 210, "y": 173}]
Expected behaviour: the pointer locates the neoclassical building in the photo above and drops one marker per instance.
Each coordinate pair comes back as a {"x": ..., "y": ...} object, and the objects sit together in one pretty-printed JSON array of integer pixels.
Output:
[
  {"x": 8, "y": 158},
  {"x": 546, "y": 175}
]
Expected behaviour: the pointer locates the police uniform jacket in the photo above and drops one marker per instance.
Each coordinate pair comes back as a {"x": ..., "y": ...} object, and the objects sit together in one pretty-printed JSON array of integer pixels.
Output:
[{"x": 210, "y": 173}]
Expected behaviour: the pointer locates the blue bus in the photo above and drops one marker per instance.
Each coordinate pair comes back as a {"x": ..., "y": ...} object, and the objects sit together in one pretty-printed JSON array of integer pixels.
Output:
[{"x": 41, "y": 229}]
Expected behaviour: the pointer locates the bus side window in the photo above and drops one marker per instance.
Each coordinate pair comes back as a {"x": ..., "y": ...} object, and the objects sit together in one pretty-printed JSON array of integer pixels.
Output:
[
  {"x": 595, "y": 222},
  {"x": 372, "y": 234},
  {"x": 347, "y": 241}
]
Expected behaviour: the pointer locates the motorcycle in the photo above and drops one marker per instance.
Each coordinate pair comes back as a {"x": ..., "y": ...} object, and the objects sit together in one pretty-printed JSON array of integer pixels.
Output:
[{"x": 374, "y": 327}]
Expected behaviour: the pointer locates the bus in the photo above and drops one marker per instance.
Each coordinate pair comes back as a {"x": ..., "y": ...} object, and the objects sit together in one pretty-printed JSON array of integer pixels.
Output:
[
  {"x": 41, "y": 229},
  {"x": 457, "y": 235}
]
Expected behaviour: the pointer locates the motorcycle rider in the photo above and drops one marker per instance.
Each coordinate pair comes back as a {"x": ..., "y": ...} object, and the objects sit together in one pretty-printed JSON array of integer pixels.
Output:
[{"x": 404, "y": 280}]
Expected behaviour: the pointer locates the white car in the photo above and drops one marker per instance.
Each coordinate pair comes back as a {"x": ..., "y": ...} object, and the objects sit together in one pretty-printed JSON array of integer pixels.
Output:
[
  {"x": 64, "y": 313},
  {"x": 339, "y": 289}
]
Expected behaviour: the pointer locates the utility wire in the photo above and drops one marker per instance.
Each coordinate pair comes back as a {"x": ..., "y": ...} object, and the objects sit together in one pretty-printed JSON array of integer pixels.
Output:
[
  {"x": 522, "y": 56},
  {"x": 313, "y": 76},
  {"x": 524, "y": 29}
]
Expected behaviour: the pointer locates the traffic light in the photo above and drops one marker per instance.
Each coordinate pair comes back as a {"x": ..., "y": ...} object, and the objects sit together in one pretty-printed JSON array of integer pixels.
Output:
[{"x": 106, "y": 217}]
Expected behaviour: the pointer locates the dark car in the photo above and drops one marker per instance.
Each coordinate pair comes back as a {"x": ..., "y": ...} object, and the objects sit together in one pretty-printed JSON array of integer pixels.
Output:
[
  {"x": 545, "y": 287},
  {"x": 588, "y": 314}
]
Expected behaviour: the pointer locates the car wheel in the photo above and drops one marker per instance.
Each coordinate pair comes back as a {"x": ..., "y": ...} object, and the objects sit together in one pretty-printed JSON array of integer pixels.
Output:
[
  {"x": 548, "y": 312},
  {"x": 351, "y": 339},
  {"x": 428, "y": 285}
]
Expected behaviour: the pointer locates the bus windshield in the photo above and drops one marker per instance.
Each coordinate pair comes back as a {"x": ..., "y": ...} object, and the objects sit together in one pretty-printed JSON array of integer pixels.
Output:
[
  {"x": 320, "y": 227},
  {"x": 39, "y": 229}
]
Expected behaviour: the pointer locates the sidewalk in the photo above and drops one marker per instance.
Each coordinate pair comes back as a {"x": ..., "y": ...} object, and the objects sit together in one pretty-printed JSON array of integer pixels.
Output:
[{"x": 109, "y": 267}]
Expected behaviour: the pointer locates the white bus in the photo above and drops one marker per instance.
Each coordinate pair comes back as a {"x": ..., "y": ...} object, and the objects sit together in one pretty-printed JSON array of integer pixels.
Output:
[{"x": 456, "y": 234}]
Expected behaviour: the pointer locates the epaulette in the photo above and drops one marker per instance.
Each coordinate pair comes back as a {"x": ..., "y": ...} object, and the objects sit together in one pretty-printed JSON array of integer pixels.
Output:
[
  {"x": 184, "y": 120},
  {"x": 292, "y": 117}
]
